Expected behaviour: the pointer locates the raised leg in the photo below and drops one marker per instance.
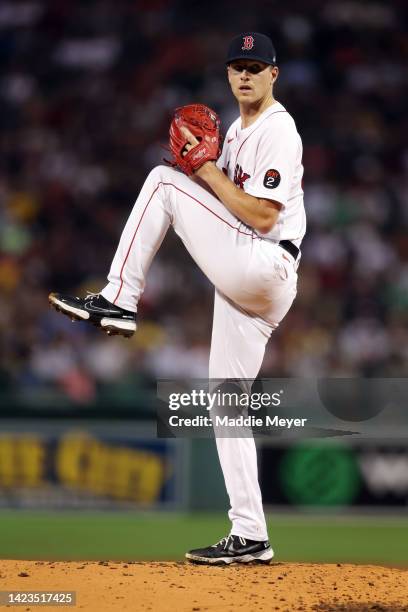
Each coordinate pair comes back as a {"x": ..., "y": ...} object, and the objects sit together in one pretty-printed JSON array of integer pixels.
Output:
[{"x": 225, "y": 249}]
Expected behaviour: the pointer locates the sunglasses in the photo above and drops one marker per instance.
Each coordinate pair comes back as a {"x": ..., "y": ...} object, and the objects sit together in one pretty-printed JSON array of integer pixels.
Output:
[{"x": 252, "y": 69}]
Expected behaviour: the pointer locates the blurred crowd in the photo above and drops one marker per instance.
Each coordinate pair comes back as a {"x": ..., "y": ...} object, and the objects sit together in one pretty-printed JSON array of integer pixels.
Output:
[{"x": 87, "y": 90}]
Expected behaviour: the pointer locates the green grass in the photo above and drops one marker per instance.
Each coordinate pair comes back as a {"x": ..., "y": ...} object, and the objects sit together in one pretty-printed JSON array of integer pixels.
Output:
[{"x": 139, "y": 536}]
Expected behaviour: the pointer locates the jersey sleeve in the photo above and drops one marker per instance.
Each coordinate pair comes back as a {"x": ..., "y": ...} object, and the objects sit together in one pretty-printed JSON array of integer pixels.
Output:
[{"x": 275, "y": 162}]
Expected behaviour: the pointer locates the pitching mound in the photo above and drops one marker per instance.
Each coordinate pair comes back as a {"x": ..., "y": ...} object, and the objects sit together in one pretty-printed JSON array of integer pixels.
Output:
[{"x": 176, "y": 587}]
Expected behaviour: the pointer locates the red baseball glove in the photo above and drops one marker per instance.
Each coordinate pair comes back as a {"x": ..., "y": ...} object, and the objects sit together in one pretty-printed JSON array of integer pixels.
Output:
[{"x": 204, "y": 124}]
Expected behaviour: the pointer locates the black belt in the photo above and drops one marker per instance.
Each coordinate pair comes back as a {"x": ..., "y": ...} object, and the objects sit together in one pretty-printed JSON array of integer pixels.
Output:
[{"x": 290, "y": 248}]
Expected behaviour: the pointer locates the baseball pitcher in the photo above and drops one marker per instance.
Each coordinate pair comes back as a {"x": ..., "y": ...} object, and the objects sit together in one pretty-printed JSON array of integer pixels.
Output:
[{"x": 240, "y": 214}]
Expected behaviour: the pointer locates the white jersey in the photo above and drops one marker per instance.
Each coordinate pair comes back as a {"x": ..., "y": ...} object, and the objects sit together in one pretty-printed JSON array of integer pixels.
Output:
[
  {"x": 265, "y": 160},
  {"x": 255, "y": 280}
]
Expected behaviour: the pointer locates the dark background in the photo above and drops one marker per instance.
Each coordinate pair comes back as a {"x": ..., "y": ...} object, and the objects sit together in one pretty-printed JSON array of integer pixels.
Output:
[{"x": 87, "y": 91}]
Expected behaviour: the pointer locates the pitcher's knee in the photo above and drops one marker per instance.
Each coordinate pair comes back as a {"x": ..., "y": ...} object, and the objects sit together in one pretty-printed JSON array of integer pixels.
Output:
[{"x": 163, "y": 173}]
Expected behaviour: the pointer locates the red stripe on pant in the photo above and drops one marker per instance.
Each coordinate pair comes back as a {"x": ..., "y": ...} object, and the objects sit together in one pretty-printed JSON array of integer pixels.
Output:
[{"x": 143, "y": 213}]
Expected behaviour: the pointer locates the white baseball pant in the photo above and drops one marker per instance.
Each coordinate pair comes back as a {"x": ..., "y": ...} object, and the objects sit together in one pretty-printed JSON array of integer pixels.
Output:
[{"x": 255, "y": 285}]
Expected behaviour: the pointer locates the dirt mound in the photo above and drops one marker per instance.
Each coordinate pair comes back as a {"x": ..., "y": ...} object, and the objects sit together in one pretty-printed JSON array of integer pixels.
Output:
[{"x": 175, "y": 587}]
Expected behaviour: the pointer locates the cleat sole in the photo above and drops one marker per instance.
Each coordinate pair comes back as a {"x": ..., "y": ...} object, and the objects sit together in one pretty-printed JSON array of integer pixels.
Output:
[
  {"x": 74, "y": 313},
  {"x": 262, "y": 558}
]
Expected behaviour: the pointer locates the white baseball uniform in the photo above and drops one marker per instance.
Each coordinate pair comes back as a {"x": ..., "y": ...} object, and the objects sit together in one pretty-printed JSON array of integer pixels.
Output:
[{"x": 254, "y": 278}]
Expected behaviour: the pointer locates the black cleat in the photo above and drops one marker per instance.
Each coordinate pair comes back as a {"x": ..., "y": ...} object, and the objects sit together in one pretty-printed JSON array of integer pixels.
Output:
[
  {"x": 233, "y": 549},
  {"x": 98, "y": 311}
]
